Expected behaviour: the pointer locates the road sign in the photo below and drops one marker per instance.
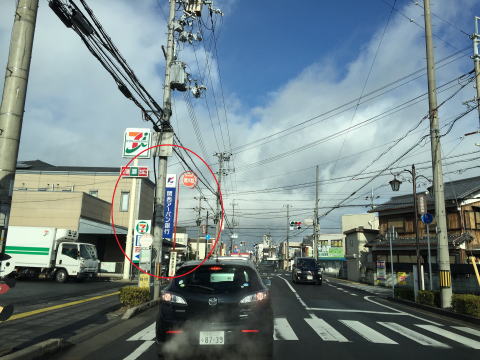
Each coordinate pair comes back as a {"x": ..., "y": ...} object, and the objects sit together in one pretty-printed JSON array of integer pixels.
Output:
[
  {"x": 427, "y": 218},
  {"x": 207, "y": 237},
  {"x": 134, "y": 171},
  {"x": 146, "y": 240},
  {"x": 190, "y": 179},
  {"x": 135, "y": 141},
  {"x": 144, "y": 281}
]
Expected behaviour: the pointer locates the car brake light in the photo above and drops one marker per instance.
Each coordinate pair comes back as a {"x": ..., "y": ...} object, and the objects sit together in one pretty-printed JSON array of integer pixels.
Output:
[
  {"x": 215, "y": 268},
  {"x": 258, "y": 296},
  {"x": 174, "y": 331},
  {"x": 250, "y": 331}
]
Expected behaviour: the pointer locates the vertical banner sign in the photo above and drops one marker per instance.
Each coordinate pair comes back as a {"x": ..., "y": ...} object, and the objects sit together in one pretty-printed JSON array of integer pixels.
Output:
[
  {"x": 381, "y": 271},
  {"x": 136, "y": 140},
  {"x": 169, "y": 209},
  {"x": 141, "y": 228}
]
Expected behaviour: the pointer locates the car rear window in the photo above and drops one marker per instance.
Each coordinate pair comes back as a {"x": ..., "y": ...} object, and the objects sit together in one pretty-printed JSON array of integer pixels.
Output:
[
  {"x": 306, "y": 263},
  {"x": 218, "y": 279}
]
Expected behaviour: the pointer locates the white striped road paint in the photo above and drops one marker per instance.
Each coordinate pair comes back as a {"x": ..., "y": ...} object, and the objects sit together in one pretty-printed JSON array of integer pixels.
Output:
[
  {"x": 352, "y": 294},
  {"x": 451, "y": 336},
  {"x": 294, "y": 292},
  {"x": 401, "y": 312},
  {"x": 467, "y": 330},
  {"x": 367, "y": 332},
  {"x": 140, "y": 350},
  {"x": 353, "y": 311},
  {"x": 324, "y": 330},
  {"x": 145, "y": 334},
  {"x": 283, "y": 330},
  {"x": 413, "y": 335}
]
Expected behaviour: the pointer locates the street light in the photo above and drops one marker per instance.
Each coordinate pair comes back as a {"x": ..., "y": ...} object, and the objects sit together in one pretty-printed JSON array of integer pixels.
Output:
[{"x": 395, "y": 184}]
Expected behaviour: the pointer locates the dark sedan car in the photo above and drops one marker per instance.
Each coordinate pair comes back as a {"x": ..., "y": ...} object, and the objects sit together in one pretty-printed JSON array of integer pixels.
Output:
[
  {"x": 223, "y": 307},
  {"x": 306, "y": 270}
]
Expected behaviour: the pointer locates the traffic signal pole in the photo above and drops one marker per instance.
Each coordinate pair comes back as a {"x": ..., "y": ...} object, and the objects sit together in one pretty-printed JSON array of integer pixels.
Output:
[
  {"x": 442, "y": 251},
  {"x": 13, "y": 105}
]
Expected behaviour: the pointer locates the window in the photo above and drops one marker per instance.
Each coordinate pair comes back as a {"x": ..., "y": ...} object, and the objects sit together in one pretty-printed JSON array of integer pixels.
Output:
[
  {"x": 323, "y": 243},
  {"x": 336, "y": 243},
  {"x": 95, "y": 193},
  {"x": 476, "y": 212},
  {"x": 70, "y": 250},
  {"x": 398, "y": 223},
  {"x": 124, "y": 198}
]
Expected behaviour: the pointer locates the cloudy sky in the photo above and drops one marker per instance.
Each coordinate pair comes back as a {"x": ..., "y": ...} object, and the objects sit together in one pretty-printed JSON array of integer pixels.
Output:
[{"x": 290, "y": 85}]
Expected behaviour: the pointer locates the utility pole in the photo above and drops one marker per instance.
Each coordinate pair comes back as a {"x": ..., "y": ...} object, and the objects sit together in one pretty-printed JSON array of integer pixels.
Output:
[
  {"x": 165, "y": 137},
  {"x": 415, "y": 229},
  {"x": 442, "y": 236},
  {"x": 133, "y": 213},
  {"x": 233, "y": 226},
  {"x": 288, "y": 233},
  {"x": 476, "y": 61},
  {"x": 316, "y": 222},
  {"x": 222, "y": 157},
  {"x": 206, "y": 241},
  {"x": 13, "y": 105},
  {"x": 199, "y": 222}
]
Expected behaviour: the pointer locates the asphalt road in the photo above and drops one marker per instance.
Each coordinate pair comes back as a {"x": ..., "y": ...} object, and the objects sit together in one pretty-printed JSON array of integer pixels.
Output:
[
  {"x": 329, "y": 321},
  {"x": 45, "y": 309}
]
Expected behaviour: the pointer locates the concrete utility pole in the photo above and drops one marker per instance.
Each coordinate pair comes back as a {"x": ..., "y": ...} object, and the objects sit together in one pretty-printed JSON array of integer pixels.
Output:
[
  {"x": 222, "y": 157},
  {"x": 199, "y": 223},
  {"x": 233, "y": 226},
  {"x": 476, "y": 61},
  {"x": 316, "y": 222},
  {"x": 206, "y": 241},
  {"x": 287, "y": 252},
  {"x": 442, "y": 236},
  {"x": 165, "y": 137},
  {"x": 13, "y": 104},
  {"x": 415, "y": 229}
]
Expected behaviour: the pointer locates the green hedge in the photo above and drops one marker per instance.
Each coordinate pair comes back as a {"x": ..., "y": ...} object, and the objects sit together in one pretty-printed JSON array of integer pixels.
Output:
[
  {"x": 132, "y": 295},
  {"x": 427, "y": 297},
  {"x": 466, "y": 304},
  {"x": 405, "y": 293}
]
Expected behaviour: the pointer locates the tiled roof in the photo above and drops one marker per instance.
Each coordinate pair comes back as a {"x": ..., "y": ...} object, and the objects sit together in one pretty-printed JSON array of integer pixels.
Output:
[
  {"x": 454, "y": 190},
  {"x": 38, "y": 165}
]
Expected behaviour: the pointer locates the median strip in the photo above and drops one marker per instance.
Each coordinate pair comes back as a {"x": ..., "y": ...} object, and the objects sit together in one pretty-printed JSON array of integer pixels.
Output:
[{"x": 59, "y": 306}]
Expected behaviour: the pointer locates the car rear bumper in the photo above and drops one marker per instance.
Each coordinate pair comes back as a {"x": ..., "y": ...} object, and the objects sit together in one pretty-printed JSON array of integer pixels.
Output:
[{"x": 305, "y": 278}]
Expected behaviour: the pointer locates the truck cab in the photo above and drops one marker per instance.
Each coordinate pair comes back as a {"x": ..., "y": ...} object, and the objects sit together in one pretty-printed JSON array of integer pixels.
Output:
[{"x": 74, "y": 259}]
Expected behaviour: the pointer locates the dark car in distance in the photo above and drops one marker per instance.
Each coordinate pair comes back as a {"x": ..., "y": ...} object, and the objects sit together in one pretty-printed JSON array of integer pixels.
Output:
[
  {"x": 306, "y": 270},
  {"x": 223, "y": 307}
]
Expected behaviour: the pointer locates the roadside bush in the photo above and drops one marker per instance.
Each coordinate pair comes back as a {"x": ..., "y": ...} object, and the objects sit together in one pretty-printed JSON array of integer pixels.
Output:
[
  {"x": 405, "y": 293},
  {"x": 132, "y": 295},
  {"x": 428, "y": 297},
  {"x": 466, "y": 304}
]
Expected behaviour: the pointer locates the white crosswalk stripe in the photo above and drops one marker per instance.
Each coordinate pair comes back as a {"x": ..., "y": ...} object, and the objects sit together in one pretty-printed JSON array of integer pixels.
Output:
[
  {"x": 451, "y": 336},
  {"x": 325, "y": 331},
  {"x": 367, "y": 332},
  {"x": 467, "y": 330},
  {"x": 413, "y": 335},
  {"x": 283, "y": 330},
  {"x": 146, "y": 334}
]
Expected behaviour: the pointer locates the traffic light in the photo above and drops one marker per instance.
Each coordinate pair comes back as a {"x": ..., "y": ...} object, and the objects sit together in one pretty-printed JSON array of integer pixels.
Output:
[{"x": 295, "y": 224}]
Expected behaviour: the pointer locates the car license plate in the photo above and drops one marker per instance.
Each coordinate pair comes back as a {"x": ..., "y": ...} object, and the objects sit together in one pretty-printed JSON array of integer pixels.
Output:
[
  {"x": 309, "y": 277},
  {"x": 212, "y": 337}
]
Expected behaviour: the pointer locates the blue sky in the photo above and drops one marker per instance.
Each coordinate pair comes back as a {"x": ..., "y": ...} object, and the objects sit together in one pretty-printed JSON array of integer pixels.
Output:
[{"x": 281, "y": 63}]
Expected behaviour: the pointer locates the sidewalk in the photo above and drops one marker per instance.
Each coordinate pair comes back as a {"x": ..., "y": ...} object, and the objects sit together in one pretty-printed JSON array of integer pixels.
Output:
[{"x": 375, "y": 290}]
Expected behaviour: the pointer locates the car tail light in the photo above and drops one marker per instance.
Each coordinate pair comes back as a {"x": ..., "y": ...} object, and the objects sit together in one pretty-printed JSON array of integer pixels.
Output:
[
  {"x": 215, "y": 268},
  {"x": 250, "y": 331},
  {"x": 172, "y": 298},
  {"x": 258, "y": 296},
  {"x": 174, "y": 331}
]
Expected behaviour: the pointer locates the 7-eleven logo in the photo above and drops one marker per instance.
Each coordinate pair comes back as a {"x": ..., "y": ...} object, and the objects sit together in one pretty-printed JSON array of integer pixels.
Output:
[{"x": 136, "y": 140}]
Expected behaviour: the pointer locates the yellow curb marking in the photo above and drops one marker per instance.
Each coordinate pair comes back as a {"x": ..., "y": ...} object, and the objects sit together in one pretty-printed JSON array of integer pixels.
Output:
[{"x": 59, "y": 306}]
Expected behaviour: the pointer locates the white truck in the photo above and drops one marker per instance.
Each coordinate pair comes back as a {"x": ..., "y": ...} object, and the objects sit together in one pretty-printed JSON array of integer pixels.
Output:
[{"x": 49, "y": 252}]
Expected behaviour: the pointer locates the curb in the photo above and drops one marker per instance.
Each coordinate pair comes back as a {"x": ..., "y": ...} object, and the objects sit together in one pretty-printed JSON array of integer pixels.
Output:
[
  {"x": 138, "y": 309},
  {"x": 438, "y": 311},
  {"x": 37, "y": 351}
]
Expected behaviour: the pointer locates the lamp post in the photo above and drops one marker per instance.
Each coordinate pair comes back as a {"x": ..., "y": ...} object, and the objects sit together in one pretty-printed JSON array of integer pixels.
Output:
[{"x": 395, "y": 184}]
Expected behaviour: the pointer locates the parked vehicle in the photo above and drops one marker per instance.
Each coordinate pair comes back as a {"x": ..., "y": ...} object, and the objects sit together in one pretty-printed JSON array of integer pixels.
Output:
[
  {"x": 49, "y": 252},
  {"x": 222, "y": 306},
  {"x": 306, "y": 270}
]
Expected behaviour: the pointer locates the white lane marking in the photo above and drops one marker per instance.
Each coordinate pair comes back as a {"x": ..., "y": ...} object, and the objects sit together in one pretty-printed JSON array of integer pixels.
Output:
[
  {"x": 413, "y": 335},
  {"x": 354, "y": 311},
  {"x": 401, "y": 312},
  {"x": 283, "y": 330},
  {"x": 145, "y": 334},
  {"x": 367, "y": 332},
  {"x": 353, "y": 294},
  {"x": 294, "y": 292},
  {"x": 452, "y": 336},
  {"x": 325, "y": 331},
  {"x": 139, "y": 351},
  {"x": 467, "y": 330}
]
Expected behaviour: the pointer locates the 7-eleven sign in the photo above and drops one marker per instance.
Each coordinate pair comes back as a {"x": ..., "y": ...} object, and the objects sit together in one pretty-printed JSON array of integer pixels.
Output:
[{"x": 134, "y": 141}]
